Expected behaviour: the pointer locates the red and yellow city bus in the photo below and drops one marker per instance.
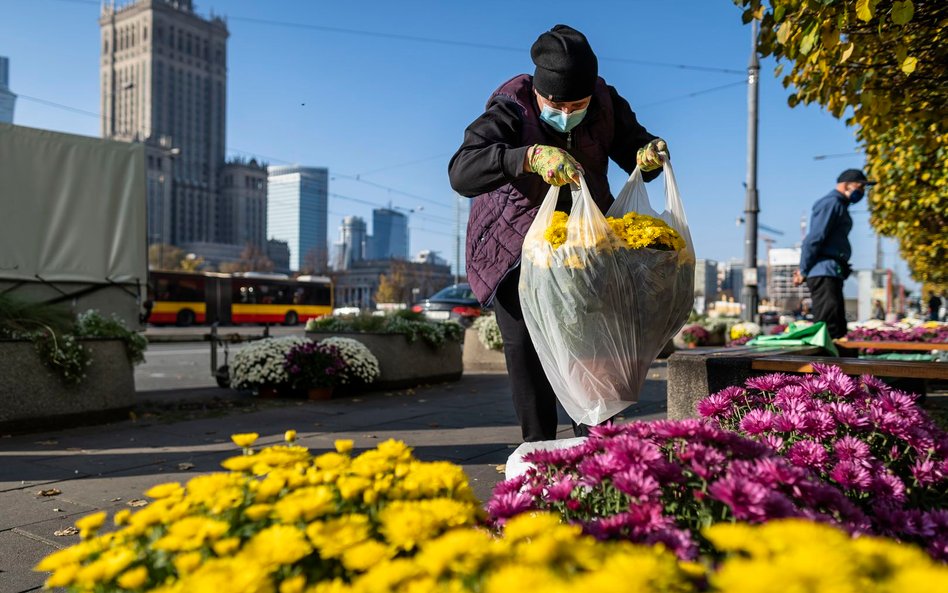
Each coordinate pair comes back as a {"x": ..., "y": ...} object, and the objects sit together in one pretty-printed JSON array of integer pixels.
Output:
[{"x": 184, "y": 298}]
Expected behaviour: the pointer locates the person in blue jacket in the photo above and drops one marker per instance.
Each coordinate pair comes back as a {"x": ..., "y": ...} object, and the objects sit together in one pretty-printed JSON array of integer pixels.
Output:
[{"x": 824, "y": 260}]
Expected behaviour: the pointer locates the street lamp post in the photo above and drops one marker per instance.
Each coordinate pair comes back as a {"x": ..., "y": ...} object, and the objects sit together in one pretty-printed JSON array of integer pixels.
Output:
[{"x": 751, "y": 205}]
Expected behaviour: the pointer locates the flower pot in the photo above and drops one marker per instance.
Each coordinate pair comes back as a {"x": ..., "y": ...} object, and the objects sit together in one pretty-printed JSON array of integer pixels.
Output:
[
  {"x": 268, "y": 392},
  {"x": 319, "y": 393},
  {"x": 691, "y": 345}
]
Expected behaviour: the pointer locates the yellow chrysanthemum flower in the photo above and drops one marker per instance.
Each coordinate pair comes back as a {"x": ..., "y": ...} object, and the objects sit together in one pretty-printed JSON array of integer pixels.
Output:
[
  {"x": 632, "y": 231},
  {"x": 276, "y": 546},
  {"x": 244, "y": 440},
  {"x": 89, "y": 524},
  {"x": 365, "y": 555},
  {"x": 167, "y": 490},
  {"x": 134, "y": 578}
]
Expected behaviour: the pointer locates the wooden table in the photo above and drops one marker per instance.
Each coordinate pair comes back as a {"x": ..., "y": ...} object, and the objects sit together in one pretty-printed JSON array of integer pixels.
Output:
[{"x": 898, "y": 346}]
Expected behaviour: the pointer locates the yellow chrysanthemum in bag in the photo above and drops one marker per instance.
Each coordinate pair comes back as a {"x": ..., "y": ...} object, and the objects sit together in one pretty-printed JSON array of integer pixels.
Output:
[{"x": 632, "y": 231}]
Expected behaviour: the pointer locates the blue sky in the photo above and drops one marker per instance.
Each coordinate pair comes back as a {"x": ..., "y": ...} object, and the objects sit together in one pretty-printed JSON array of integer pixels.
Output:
[{"x": 382, "y": 91}]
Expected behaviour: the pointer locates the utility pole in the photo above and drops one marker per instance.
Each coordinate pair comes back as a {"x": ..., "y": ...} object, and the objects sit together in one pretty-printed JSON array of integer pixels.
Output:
[{"x": 749, "y": 294}]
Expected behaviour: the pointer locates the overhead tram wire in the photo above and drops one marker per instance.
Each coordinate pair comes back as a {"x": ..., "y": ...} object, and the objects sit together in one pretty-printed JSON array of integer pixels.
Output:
[
  {"x": 452, "y": 42},
  {"x": 357, "y": 178}
]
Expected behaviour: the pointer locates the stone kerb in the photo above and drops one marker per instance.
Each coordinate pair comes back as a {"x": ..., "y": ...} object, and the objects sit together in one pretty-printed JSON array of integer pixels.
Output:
[
  {"x": 696, "y": 374},
  {"x": 406, "y": 364},
  {"x": 478, "y": 357},
  {"x": 34, "y": 397}
]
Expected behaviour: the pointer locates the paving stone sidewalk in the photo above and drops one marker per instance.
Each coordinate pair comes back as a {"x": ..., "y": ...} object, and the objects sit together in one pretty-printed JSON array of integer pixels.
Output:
[{"x": 175, "y": 437}]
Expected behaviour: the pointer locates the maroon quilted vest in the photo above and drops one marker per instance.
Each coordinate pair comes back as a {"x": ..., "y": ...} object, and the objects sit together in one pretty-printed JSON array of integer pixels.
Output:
[{"x": 499, "y": 219}]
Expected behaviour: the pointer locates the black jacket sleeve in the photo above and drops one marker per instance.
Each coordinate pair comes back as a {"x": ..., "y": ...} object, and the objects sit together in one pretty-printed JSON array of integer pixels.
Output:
[
  {"x": 629, "y": 137},
  {"x": 489, "y": 156}
]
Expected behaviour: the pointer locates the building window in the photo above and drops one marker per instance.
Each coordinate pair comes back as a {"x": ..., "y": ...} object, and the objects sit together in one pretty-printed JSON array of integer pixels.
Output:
[{"x": 145, "y": 33}]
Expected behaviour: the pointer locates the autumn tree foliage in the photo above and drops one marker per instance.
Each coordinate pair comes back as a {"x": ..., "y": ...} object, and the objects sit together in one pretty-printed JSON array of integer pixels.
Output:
[{"x": 882, "y": 65}]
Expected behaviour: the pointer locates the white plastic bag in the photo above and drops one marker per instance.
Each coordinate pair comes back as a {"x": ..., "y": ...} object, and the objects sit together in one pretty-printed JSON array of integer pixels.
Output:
[
  {"x": 516, "y": 466},
  {"x": 598, "y": 317}
]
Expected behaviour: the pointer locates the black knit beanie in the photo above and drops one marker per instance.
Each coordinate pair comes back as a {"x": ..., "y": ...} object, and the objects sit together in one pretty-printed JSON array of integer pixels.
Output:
[{"x": 567, "y": 68}]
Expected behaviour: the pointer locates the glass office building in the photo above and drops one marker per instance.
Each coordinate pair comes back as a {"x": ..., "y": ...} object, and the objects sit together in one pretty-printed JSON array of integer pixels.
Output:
[
  {"x": 389, "y": 235},
  {"x": 297, "y": 212}
]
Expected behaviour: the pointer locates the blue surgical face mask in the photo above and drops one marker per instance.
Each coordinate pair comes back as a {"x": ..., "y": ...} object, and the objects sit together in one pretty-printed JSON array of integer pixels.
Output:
[
  {"x": 856, "y": 195},
  {"x": 561, "y": 120}
]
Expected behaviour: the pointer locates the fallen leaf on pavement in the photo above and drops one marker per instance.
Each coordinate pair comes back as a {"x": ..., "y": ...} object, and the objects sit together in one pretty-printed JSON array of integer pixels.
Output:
[
  {"x": 66, "y": 531},
  {"x": 137, "y": 502},
  {"x": 502, "y": 468},
  {"x": 116, "y": 499},
  {"x": 50, "y": 492},
  {"x": 185, "y": 466},
  {"x": 58, "y": 511}
]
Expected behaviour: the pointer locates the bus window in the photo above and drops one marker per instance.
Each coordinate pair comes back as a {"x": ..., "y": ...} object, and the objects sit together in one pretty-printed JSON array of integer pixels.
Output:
[{"x": 266, "y": 295}]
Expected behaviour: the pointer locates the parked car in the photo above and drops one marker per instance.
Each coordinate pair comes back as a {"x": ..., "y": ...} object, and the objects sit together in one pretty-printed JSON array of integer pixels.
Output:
[{"x": 455, "y": 302}]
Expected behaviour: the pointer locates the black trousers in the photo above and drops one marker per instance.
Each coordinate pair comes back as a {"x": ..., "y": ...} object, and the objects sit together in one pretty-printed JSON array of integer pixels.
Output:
[
  {"x": 533, "y": 397},
  {"x": 828, "y": 303}
]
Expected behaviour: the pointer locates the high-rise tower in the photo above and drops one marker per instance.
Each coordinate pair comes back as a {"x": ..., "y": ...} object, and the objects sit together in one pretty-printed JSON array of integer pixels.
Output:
[
  {"x": 164, "y": 83},
  {"x": 7, "y": 98}
]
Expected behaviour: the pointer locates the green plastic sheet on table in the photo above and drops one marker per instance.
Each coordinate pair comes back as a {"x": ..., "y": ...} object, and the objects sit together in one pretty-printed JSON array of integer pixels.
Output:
[
  {"x": 919, "y": 356},
  {"x": 811, "y": 335}
]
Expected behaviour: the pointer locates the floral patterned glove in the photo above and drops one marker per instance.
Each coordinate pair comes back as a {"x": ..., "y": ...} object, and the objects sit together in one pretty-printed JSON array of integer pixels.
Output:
[
  {"x": 554, "y": 165},
  {"x": 652, "y": 156}
]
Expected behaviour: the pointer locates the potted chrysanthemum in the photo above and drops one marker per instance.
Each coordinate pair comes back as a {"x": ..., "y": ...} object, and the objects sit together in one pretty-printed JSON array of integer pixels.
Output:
[
  {"x": 316, "y": 368},
  {"x": 260, "y": 365}
]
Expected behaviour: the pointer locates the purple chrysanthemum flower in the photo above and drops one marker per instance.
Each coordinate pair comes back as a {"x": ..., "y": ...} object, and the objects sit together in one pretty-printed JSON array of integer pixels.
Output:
[
  {"x": 561, "y": 490},
  {"x": 850, "y": 448},
  {"x": 757, "y": 421},
  {"x": 602, "y": 465},
  {"x": 636, "y": 483},
  {"x": 808, "y": 454},
  {"x": 771, "y": 382},
  {"x": 773, "y": 441},
  {"x": 790, "y": 422},
  {"x": 851, "y": 475},
  {"x": 926, "y": 472},
  {"x": 633, "y": 450},
  {"x": 714, "y": 405},
  {"x": 705, "y": 461},
  {"x": 887, "y": 485},
  {"x": 510, "y": 486},
  {"x": 745, "y": 498},
  {"x": 838, "y": 382},
  {"x": 819, "y": 424},
  {"x": 846, "y": 414},
  {"x": 508, "y": 505},
  {"x": 680, "y": 429}
]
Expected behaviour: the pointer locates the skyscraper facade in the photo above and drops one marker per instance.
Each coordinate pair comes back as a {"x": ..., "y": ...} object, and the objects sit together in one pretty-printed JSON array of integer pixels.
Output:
[
  {"x": 297, "y": 212},
  {"x": 353, "y": 236},
  {"x": 389, "y": 235},
  {"x": 242, "y": 212},
  {"x": 7, "y": 98},
  {"x": 163, "y": 76}
]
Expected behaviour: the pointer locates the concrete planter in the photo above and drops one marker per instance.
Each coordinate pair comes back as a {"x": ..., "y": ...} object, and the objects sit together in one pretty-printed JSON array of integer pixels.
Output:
[
  {"x": 479, "y": 358},
  {"x": 34, "y": 397},
  {"x": 403, "y": 363}
]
